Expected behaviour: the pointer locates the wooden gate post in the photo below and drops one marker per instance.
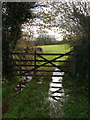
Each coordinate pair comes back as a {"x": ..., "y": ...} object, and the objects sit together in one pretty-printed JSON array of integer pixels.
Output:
[
  {"x": 20, "y": 65},
  {"x": 35, "y": 62}
]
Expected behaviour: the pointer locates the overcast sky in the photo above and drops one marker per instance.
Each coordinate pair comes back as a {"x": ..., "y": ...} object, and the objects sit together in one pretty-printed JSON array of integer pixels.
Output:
[
  {"x": 34, "y": 27},
  {"x": 43, "y": 0}
]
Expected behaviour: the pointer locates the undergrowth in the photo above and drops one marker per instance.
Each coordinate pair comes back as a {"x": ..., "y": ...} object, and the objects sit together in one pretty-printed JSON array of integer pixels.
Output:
[
  {"x": 30, "y": 103},
  {"x": 76, "y": 102}
]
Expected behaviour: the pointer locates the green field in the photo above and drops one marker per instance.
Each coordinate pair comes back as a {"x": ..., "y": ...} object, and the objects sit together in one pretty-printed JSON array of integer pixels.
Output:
[{"x": 63, "y": 48}]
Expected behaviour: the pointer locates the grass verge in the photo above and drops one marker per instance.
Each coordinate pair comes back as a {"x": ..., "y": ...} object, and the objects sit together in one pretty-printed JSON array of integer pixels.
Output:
[
  {"x": 76, "y": 104},
  {"x": 30, "y": 103}
]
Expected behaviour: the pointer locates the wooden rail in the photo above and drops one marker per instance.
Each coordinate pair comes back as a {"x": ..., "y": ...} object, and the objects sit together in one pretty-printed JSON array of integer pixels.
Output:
[{"x": 34, "y": 67}]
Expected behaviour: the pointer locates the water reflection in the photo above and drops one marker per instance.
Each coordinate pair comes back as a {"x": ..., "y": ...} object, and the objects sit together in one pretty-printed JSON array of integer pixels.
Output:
[
  {"x": 56, "y": 95},
  {"x": 56, "y": 89},
  {"x": 22, "y": 84}
]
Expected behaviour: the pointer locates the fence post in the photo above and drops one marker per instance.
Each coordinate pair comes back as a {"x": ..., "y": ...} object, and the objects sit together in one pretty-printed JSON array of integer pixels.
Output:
[
  {"x": 35, "y": 62},
  {"x": 20, "y": 64}
]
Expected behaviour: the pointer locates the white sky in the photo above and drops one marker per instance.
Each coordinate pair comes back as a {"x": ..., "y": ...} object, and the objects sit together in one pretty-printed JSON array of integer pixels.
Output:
[{"x": 53, "y": 31}]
